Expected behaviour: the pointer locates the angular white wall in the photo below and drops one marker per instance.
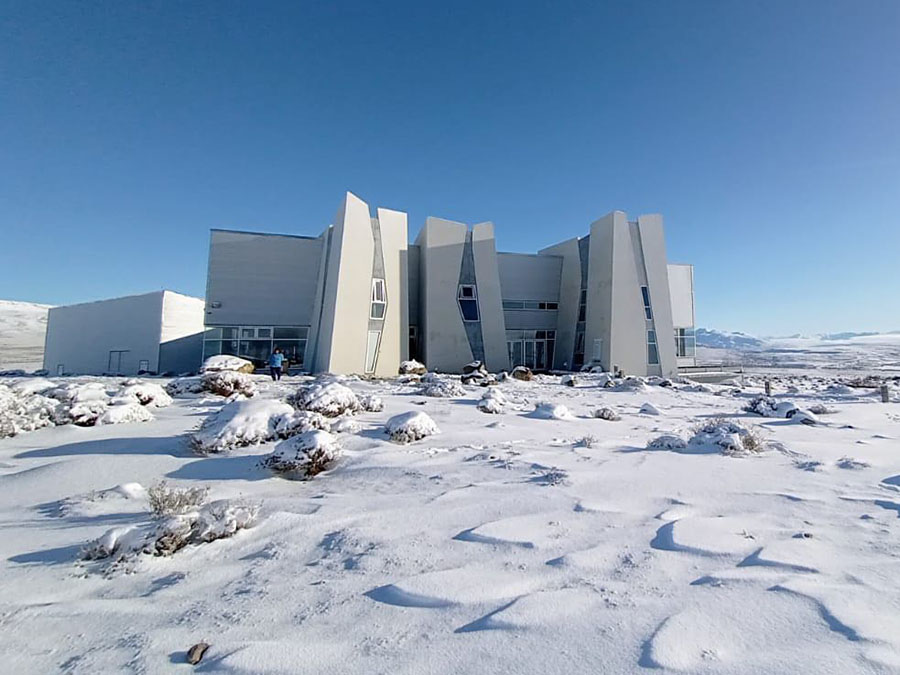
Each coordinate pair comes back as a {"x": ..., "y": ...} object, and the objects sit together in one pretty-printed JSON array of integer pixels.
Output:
[
  {"x": 343, "y": 303},
  {"x": 395, "y": 333},
  {"x": 445, "y": 346},
  {"x": 569, "y": 294},
  {"x": 653, "y": 245},
  {"x": 490, "y": 306}
]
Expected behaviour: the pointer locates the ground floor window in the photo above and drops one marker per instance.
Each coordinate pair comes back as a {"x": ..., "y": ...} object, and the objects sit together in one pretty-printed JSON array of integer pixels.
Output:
[
  {"x": 413, "y": 342},
  {"x": 578, "y": 352},
  {"x": 652, "y": 349},
  {"x": 256, "y": 343},
  {"x": 372, "y": 350},
  {"x": 685, "y": 342},
  {"x": 531, "y": 348}
]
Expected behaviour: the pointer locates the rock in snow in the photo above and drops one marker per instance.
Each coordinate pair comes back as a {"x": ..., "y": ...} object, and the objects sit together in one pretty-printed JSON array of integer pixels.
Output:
[{"x": 225, "y": 362}]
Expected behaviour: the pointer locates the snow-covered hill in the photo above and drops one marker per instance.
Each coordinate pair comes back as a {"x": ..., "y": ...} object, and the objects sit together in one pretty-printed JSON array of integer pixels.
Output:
[
  {"x": 717, "y": 339},
  {"x": 852, "y": 351},
  {"x": 22, "y": 329}
]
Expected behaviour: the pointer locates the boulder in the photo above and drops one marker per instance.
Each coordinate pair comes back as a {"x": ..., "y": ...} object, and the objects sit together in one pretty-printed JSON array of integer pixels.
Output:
[
  {"x": 522, "y": 373},
  {"x": 474, "y": 367}
]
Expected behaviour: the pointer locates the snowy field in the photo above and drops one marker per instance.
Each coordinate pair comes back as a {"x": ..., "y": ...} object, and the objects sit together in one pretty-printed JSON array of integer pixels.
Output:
[{"x": 530, "y": 539}]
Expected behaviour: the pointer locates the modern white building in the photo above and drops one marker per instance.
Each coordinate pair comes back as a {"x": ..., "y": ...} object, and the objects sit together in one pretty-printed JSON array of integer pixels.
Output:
[
  {"x": 359, "y": 298},
  {"x": 159, "y": 332}
]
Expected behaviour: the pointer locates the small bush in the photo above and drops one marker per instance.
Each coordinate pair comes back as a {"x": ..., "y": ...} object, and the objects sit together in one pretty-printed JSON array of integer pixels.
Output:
[
  {"x": 304, "y": 456},
  {"x": 410, "y": 427},
  {"x": 586, "y": 442},
  {"x": 371, "y": 403},
  {"x": 732, "y": 437},
  {"x": 667, "y": 442},
  {"x": 607, "y": 414},
  {"x": 168, "y": 501},
  {"x": 326, "y": 398},
  {"x": 227, "y": 383}
]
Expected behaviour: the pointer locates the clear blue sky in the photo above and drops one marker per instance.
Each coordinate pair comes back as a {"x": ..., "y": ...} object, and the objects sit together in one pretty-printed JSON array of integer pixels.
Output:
[{"x": 766, "y": 133}]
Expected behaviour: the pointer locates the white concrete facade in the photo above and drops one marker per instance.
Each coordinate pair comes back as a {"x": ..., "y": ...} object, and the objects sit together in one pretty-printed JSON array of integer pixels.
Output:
[
  {"x": 360, "y": 299},
  {"x": 157, "y": 332}
]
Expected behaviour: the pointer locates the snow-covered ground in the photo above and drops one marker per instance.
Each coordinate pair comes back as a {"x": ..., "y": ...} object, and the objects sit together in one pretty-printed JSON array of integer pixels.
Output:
[
  {"x": 22, "y": 329},
  {"x": 517, "y": 540}
]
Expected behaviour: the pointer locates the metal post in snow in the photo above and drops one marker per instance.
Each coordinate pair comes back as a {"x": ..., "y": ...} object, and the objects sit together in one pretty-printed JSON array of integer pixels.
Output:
[
  {"x": 885, "y": 397},
  {"x": 768, "y": 388}
]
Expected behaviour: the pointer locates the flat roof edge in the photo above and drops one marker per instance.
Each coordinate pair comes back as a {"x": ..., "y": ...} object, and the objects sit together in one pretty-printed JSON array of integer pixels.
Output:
[{"x": 264, "y": 234}]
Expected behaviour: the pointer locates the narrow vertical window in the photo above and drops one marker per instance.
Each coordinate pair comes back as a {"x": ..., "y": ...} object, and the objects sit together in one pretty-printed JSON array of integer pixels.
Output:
[
  {"x": 467, "y": 297},
  {"x": 652, "y": 350},
  {"x": 645, "y": 293},
  {"x": 379, "y": 299}
]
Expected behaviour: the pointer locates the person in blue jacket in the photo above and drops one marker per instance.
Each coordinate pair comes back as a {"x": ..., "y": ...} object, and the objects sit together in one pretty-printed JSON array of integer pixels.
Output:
[{"x": 276, "y": 360}]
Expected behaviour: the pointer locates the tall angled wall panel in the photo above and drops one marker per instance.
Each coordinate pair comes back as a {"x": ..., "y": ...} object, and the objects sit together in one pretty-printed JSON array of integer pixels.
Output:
[
  {"x": 615, "y": 310},
  {"x": 569, "y": 293},
  {"x": 395, "y": 332},
  {"x": 487, "y": 275},
  {"x": 600, "y": 301},
  {"x": 343, "y": 326},
  {"x": 445, "y": 343},
  {"x": 654, "y": 253}
]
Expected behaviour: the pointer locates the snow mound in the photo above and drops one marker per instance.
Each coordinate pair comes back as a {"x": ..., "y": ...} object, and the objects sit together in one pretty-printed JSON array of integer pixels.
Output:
[
  {"x": 81, "y": 403},
  {"x": 547, "y": 410},
  {"x": 568, "y": 380},
  {"x": 345, "y": 425},
  {"x": 493, "y": 402},
  {"x": 728, "y": 436},
  {"x": 184, "y": 385},
  {"x": 145, "y": 393},
  {"x": 649, "y": 409},
  {"x": 630, "y": 383},
  {"x": 20, "y": 414},
  {"x": 435, "y": 387},
  {"x": 216, "y": 520},
  {"x": 717, "y": 435},
  {"x": 124, "y": 412},
  {"x": 298, "y": 421},
  {"x": 803, "y": 417},
  {"x": 33, "y": 385},
  {"x": 242, "y": 423},
  {"x": 371, "y": 403},
  {"x": 225, "y": 362},
  {"x": 304, "y": 456},
  {"x": 411, "y": 426},
  {"x": 667, "y": 442},
  {"x": 326, "y": 398},
  {"x": 769, "y": 406}
]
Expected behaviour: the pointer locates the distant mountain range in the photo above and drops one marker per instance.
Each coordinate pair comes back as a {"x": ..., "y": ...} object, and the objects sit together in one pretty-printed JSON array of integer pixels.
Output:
[{"x": 717, "y": 339}]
